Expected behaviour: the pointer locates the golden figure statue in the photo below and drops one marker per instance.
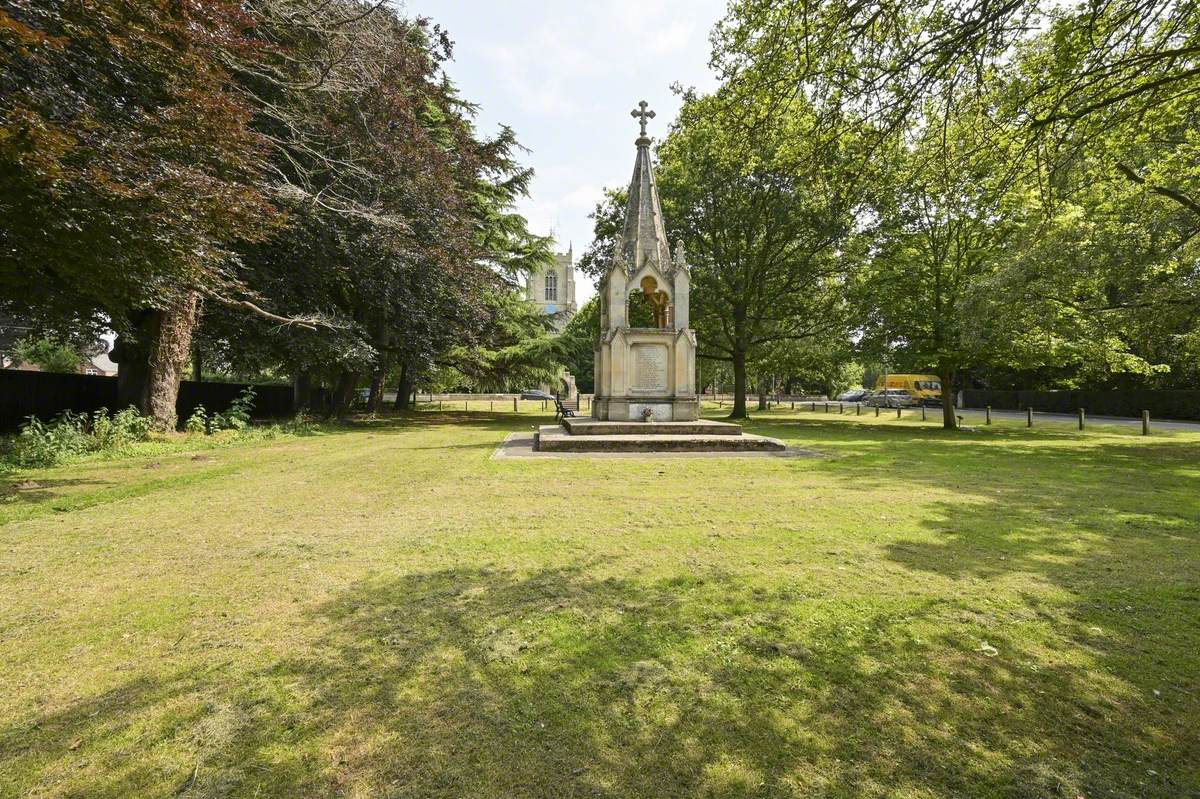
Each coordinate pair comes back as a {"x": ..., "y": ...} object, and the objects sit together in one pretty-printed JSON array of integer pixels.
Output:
[{"x": 658, "y": 301}]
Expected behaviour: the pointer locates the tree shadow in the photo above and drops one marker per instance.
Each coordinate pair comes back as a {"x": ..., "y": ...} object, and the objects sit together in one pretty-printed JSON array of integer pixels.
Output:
[
  {"x": 35, "y": 491},
  {"x": 409, "y": 421},
  {"x": 1109, "y": 533},
  {"x": 564, "y": 683}
]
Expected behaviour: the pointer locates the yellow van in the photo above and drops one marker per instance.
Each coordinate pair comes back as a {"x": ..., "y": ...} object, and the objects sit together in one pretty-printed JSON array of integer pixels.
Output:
[{"x": 927, "y": 388}]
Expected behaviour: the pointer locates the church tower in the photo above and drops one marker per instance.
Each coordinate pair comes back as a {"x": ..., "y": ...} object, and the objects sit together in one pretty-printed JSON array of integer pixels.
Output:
[
  {"x": 646, "y": 361},
  {"x": 553, "y": 288}
]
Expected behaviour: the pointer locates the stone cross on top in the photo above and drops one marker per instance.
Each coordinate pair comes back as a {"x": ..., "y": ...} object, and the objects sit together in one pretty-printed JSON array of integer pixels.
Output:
[{"x": 642, "y": 115}]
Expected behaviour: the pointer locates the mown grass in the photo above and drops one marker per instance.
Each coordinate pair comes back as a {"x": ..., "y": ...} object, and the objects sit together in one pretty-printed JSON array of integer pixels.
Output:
[{"x": 384, "y": 610}]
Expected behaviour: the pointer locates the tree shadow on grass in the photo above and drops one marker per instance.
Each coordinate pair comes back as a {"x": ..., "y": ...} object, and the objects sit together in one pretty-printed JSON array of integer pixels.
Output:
[
  {"x": 1123, "y": 606},
  {"x": 1109, "y": 532},
  {"x": 564, "y": 683},
  {"x": 560, "y": 683},
  {"x": 36, "y": 491},
  {"x": 414, "y": 421}
]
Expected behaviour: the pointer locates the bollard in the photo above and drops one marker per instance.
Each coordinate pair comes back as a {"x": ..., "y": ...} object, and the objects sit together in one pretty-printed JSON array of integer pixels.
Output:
[
  {"x": 812, "y": 406},
  {"x": 840, "y": 409},
  {"x": 988, "y": 411},
  {"x": 897, "y": 411},
  {"x": 858, "y": 409},
  {"x": 793, "y": 405},
  {"x": 543, "y": 405},
  {"x": 1080, "y": 412},
  {"x": 1029, "y": 417},
  {"x": 465, "y": 405},
  {"x": 491, "y": 405},
  {"x": 1145, "y": 423},
  {"x": 827, "y": 407},
  {"x": 514, "y": 404},
  {"x": 923, "y": 416},
  {"x": 876, "y": 411},
  {"x": 439, "y": 405}
]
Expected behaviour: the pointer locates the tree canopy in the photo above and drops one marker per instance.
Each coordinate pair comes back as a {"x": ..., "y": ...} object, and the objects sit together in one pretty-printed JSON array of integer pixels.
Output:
[
  {"x": 296, "y": 179},
  {"x": 1010, "y": 190}
]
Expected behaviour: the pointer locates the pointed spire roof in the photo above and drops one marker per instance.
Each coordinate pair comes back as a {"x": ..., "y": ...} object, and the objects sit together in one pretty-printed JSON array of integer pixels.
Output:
[{"x": 644, "y": 238}]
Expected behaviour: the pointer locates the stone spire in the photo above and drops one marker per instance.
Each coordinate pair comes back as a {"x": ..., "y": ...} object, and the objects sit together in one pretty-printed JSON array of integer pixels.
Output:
[{"x": 643, "y": 237}]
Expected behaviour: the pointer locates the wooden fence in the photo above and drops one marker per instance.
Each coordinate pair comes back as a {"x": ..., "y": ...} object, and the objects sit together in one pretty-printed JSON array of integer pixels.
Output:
[{"x": 47, "y": 394}]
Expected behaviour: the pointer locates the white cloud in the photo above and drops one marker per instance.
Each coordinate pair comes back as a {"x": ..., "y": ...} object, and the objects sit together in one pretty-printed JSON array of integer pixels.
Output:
[
  {"x": 672, "y": 37},
  {"x": 581, "y": 197},
  {"x": 564, "y": 76},
  {"x": 545, "y": 96}
]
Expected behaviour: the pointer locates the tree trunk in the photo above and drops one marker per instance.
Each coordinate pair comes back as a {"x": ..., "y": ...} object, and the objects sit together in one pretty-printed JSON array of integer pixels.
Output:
[
  {"x": 151, "y": 363},
  {"x": 949, "y": 418},
  {"x": 301, "y": 391},
  {"x": 739, "y": 386},
  {"x": 343, "y": 393},
  {"x": 405, "y": 389},
  {"x": 168, "y": 357},
  {"x": 131, "y": 353},
  {"x": 375, "y": 399},
  {"x": 762, "y": 395}
]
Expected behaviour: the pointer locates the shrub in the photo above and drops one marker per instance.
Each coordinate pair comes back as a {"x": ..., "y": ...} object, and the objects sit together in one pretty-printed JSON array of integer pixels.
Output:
[
  {"x": 302, "y": 424},
  {"x": 237, "y": 415},
  {"x": 42, "y": 444},
  {"x": 198, "y": 421},
  {"x": 70, "y": 435},
  {"x": 122, "y": 429}
]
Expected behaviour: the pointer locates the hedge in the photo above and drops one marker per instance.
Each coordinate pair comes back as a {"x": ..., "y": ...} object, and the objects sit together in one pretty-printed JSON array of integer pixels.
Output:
[{"x": 1162, "y": 404}]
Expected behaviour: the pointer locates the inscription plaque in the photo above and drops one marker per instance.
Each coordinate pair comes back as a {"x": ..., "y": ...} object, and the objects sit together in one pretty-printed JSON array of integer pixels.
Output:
[{"x": 649, "y": 367}]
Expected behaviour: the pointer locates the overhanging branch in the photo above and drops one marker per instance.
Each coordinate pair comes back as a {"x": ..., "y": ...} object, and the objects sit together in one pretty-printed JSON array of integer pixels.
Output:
[
  {"x": 307, "y": 322},
  {"x": 1164, "y": 191}
]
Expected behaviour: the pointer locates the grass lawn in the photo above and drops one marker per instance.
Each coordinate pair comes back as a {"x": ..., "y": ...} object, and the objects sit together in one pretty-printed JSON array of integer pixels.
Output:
[{"x": 384, "y": 610}]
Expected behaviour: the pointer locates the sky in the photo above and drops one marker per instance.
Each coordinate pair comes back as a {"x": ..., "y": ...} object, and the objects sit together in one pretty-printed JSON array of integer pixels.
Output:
[{"x": 564, "y": 75}]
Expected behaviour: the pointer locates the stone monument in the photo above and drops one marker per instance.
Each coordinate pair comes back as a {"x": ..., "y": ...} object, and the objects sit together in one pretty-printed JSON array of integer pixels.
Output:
[
  {"x": 646, "y": 372},
  {"x": 645, "y": 397}
]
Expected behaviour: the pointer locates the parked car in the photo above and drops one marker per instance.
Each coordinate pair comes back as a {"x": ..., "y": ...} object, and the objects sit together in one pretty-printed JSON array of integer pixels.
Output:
[
  {"x": 534, "y": 394},
  {"x": 854, "y": 395},
  {"x": 894, "y": 398}
]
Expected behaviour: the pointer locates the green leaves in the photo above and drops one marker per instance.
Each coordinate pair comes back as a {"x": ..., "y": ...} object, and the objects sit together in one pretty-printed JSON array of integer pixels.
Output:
[
  {"x": 1032, "y": 169},
  {"x": 127, "y": 167}
]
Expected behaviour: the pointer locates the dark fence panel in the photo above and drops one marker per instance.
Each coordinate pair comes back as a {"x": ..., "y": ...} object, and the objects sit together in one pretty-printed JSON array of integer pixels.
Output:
[
  {"x": 1163, "y": 404},
  {"x": 269, "y": 401},
  {"x": 46, "y": 395}
]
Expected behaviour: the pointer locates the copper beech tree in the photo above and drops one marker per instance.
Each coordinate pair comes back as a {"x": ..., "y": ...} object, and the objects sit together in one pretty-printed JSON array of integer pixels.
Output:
[
  {"x": 299, "y": 173},
  {"x": 127, "y": 172}
]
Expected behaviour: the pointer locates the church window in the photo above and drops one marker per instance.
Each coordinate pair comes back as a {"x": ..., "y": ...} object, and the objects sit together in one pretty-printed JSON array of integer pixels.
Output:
[{"x": 551, "y": 287}]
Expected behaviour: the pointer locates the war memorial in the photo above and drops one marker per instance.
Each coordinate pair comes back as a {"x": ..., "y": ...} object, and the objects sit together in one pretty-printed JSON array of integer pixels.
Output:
[{"x": 646, "y": 399}]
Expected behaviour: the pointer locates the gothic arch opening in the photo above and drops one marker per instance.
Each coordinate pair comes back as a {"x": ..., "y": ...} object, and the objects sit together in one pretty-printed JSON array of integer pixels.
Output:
[
  {"x": 640, "y": 312},
  {"x": 649, "y": 306}
]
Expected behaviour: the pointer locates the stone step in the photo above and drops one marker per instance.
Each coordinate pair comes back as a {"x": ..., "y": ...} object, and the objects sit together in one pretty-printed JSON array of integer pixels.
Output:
[
  {"x": 552, "y": 438},
  {"x": 700, "y": 427}
]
